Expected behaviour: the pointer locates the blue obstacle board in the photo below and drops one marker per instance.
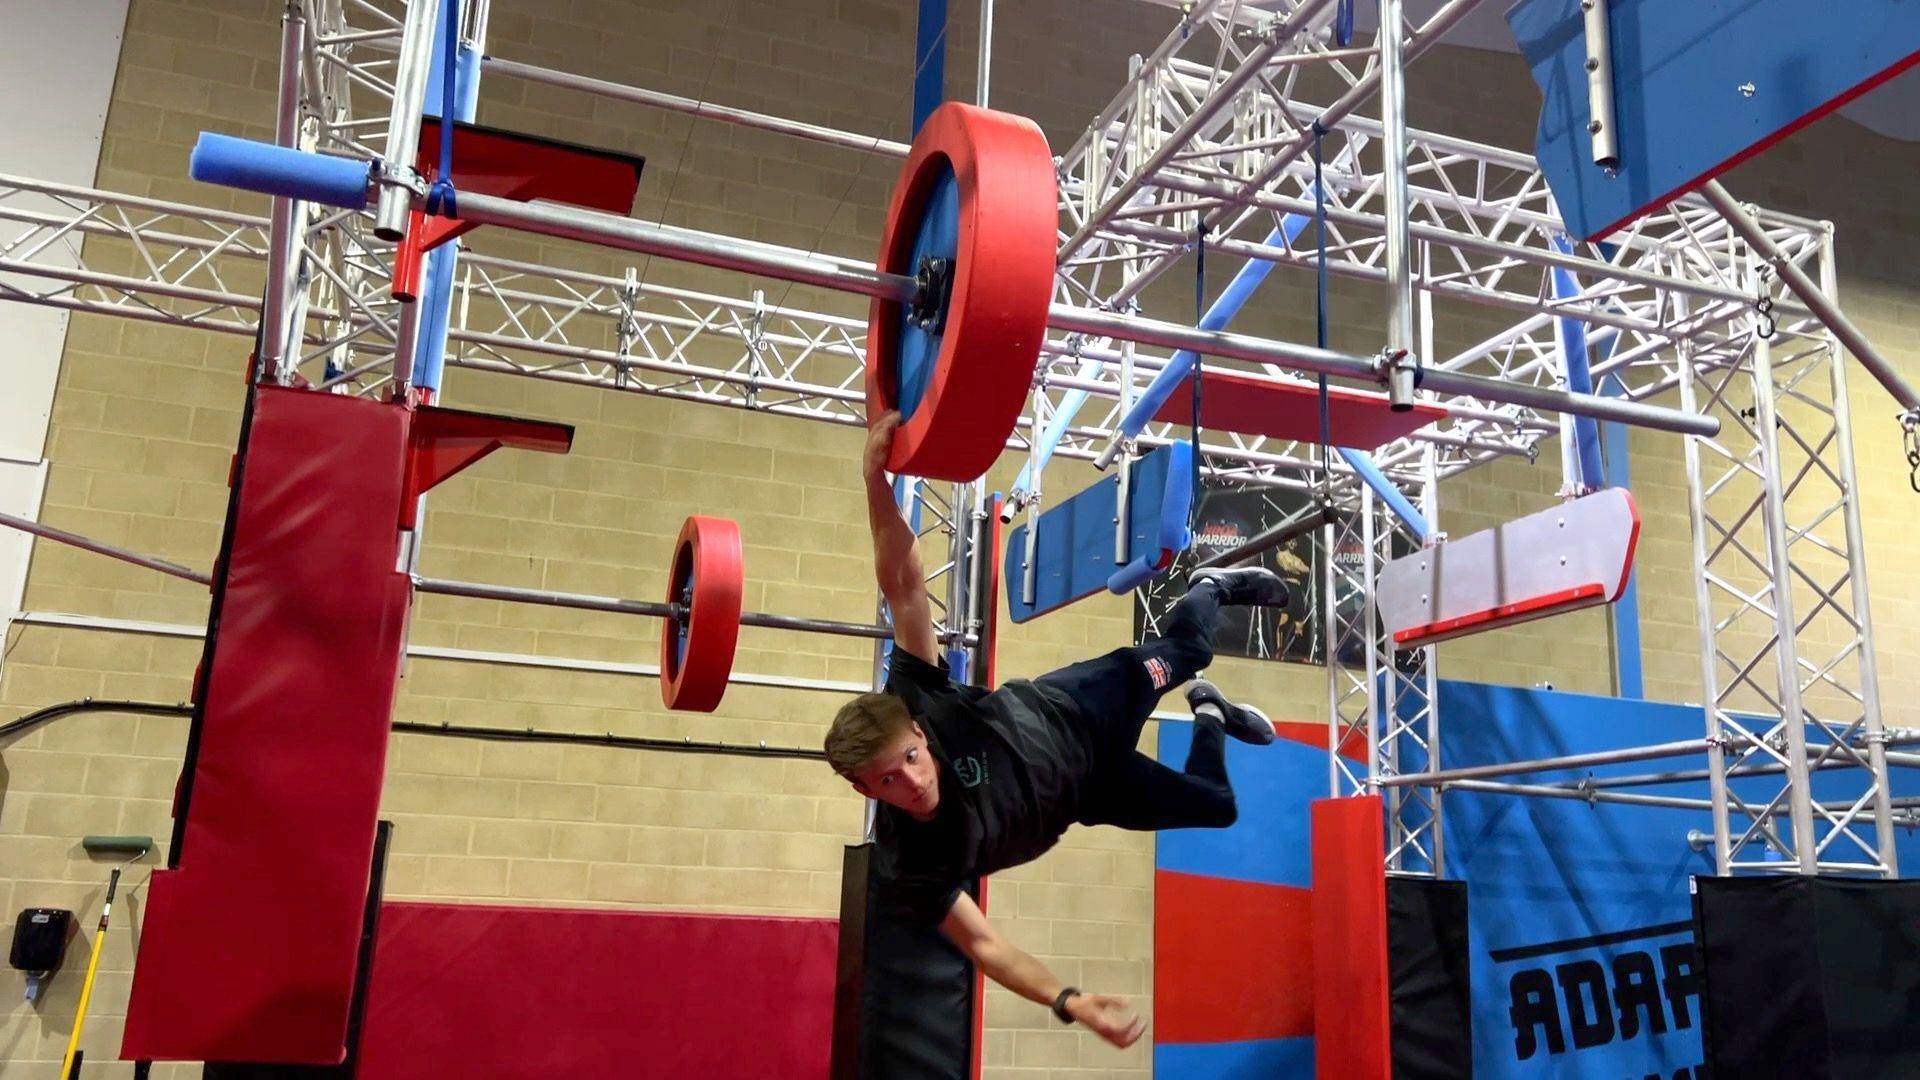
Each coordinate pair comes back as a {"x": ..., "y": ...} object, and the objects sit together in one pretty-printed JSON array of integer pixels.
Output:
[
  {"x": 1073, "y": 553},
  {"x": 1580, "y": 917},
  {"x": 1699, "y": 86}
]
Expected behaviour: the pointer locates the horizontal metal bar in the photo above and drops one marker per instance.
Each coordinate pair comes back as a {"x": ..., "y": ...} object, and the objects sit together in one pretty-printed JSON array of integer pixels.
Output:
[
  {"x": 1171, "y": 335},
  {"x": 86, "y": 543},
  {"x": 1296, "y": 526},
  {"x": 686, "y": 245},
  {"x": 1495, "y": 787},
  {"x": 693, "y": 107},
  {"x": 652, "y": 608},
  {"x": 108, "y": 624},
  {"x": 1569, "y": 761}
]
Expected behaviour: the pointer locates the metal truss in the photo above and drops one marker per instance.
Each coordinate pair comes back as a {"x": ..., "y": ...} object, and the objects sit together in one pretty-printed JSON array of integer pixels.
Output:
[{"x": 1786, "y": 640}]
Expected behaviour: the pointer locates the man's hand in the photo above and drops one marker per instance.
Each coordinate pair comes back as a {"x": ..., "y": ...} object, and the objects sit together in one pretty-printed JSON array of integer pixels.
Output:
[
  {"x": 1110, "y": 1017},
  {"x": 880, "y": 445}
]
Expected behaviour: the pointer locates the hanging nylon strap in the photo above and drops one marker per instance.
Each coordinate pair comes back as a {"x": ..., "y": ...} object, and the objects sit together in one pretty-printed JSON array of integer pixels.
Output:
[{"x": 1320, "y": 309}]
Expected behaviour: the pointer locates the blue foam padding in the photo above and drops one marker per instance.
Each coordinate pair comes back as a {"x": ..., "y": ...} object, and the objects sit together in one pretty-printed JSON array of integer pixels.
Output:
[
  {"x": 1279, "y": 1059},
  {"x": 939, "y": 236},
  {"x": 1678, "y": 69},
  {"x": 1369, "y": 473},
  {"x": 1273, "y": 786},
  {"x": 1133, "y": 575},
  {"x": 276, "y": 170},
  {"x": 1074, "y": 550}
]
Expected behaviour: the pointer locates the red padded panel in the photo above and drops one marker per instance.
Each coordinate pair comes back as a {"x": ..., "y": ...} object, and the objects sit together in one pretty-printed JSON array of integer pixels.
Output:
[
  {"x": 492, "y": 993},
  {"x": 1350, "y": 1002},
  {"x": 1232, "y": 959},
  {"x": 1235, "y": 402},
  {"x": 247, "y": 949}
]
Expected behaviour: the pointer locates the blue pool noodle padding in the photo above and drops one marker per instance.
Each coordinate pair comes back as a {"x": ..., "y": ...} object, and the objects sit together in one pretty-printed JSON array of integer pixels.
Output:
[
  {"x": 277, "y": 170},
  {"x": 1074, "y": 549},
  {"x": 1678, "y": 69}
]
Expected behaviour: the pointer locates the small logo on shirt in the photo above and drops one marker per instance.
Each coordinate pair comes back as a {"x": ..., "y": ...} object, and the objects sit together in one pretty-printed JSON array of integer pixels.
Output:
[
  {"x": 1159, "y": 672},
  {"x": 971, "y": 771}
]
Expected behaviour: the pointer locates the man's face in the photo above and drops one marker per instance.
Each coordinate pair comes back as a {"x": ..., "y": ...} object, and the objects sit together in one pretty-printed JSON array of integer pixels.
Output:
[{"x": 902, "y": 775}]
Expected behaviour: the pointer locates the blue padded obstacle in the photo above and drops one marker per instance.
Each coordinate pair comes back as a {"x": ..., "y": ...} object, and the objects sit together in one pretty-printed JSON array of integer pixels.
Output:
[
  {"x": 1698, "y": 86},
  {"x": 277, "y": 170},
  {"x": 1074, "y": 550}
]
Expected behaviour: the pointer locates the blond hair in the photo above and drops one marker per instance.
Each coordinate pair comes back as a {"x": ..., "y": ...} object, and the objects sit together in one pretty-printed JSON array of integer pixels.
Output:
[{"x": 862, "y": 727}]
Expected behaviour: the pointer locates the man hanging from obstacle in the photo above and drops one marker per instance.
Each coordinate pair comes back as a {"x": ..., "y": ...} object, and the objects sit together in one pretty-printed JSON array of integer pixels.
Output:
[{"x": 974, "y": 781}]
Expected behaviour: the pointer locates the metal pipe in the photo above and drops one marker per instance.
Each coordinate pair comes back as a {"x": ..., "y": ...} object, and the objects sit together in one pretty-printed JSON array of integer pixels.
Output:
[
  {"x": 1703, "y": 601},
  {"x": 1496, "y": 788},
  {"x": 687, "y": 245},
  {"x": 280, "y": 239},
  {"x": 690, "y": 106},
  {"x": 1401, "y": 363},
  {"x": 1606, "y": 142},
  {"x": 1822, "y": 307},
  {"x": 1785, "y": 644},
  {"x": 1877, "y": 755},
  {"x": 653, "y": 608},
  {"x": 983, "y": 73},
  {"x": 99, "y": 547},
  {"x": 1636, "y": 413},
  {"x": 1294, "y": 527},
  {"x": 403, "y": 123},
  {"x": 1568, "y": 761}
]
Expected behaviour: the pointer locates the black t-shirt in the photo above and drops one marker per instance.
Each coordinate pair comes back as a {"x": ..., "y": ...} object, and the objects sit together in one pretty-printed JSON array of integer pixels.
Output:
[{"x": 1011, "y": 762}]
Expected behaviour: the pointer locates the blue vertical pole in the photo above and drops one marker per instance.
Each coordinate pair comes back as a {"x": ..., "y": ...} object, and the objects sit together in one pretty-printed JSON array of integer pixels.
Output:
[
  {"x": 1573, "y": 350},
  {"x": 1628, "y": 674},
  {"x": 437, "y": 276},
  {"x": 929, "y": 60}
]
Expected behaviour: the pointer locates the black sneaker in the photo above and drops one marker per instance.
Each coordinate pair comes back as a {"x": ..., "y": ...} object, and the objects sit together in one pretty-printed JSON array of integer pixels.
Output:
[
  {"x": 1255, "y": 585},
  {"x": 1243, "y": 722}
]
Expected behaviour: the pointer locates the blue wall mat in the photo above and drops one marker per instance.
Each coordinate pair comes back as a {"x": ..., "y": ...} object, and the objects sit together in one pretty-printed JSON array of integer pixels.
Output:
[
  {"x": 1074, "y": 554},
  {"x": 1272, "y": 786},
  {"x": 1679, "y": 71},
  {"x": 1253, "y": 1059},
  {"x": 1576, "y": 907}
]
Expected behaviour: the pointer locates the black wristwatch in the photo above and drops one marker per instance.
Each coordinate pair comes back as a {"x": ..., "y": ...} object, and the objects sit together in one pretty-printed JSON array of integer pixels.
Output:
[{"x": 1060, "y": 1004}]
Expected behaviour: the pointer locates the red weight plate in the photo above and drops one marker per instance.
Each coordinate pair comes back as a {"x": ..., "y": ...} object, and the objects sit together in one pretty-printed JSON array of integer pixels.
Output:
[
  {"x": 694, "y": 677},
  {"x": 1002, "y": 286}
]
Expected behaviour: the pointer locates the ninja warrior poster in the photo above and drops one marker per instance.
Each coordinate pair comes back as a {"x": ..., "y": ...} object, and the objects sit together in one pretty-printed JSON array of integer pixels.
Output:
[{"x": 1230, "y": 516}]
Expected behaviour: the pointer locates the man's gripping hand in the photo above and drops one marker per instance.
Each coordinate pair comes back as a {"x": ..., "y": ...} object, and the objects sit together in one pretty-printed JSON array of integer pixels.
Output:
[
  {"x": 880, "y": 445},
  {"x": 1110, "y": 1017}
]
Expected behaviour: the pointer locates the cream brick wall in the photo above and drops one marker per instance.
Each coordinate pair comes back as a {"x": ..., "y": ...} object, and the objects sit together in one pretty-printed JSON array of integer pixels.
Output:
[{"x": 146, "y": 419}]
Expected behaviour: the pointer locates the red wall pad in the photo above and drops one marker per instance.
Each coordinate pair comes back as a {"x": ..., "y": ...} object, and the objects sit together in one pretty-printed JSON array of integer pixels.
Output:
[
  {"x": 491, "y": 993},
  {"x": 247, "y": 952},
  {"x": 1350, "y": 1003}
]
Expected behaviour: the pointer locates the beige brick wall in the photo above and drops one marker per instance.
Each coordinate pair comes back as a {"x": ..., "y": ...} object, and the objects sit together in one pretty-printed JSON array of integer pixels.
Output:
[{"x": 146, "y": 418}]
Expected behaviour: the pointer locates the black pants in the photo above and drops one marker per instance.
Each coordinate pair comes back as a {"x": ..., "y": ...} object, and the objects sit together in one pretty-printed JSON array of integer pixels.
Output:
[{"x": 1116, "y": 693}]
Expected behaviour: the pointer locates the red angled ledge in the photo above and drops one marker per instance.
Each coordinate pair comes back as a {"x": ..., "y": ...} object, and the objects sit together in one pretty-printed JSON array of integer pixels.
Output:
[
  {"x": 1534, "y": 607},
  {"x": 442, "y": 442},
  {"x": 512, "y": 166},
  {"x": 1237, "y": 402}
]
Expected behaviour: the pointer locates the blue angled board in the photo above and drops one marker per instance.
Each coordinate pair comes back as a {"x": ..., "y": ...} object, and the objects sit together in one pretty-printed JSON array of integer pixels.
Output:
[
  {"x": 1074, "y": 550},
  {"x": 1680, "y": 69}
]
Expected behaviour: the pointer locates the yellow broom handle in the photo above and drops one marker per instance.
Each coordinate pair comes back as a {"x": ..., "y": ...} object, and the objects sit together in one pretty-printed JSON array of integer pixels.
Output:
[{"x": 86, "y": 988}]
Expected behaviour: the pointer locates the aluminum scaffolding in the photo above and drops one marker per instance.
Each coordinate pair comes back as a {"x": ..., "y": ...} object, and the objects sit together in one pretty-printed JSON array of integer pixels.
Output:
[{"x": 1211, "y": 140}]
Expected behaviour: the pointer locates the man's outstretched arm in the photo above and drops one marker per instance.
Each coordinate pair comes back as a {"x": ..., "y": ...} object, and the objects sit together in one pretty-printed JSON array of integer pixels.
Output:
[
  {"x": 1006, "y": 964},
  {"x": 896, "y": 554}
]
